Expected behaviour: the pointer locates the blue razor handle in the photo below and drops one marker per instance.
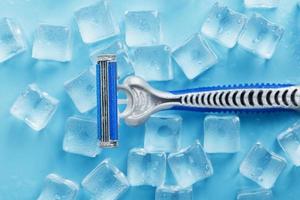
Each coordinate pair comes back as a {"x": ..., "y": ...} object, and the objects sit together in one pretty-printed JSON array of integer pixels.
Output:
[
  {"x": 107, "y": 105},
  {"x": 145, "y": 100}
]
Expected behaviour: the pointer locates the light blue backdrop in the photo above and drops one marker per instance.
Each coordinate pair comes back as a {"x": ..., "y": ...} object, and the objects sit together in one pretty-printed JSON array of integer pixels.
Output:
[{"x": 26, "y": 157}]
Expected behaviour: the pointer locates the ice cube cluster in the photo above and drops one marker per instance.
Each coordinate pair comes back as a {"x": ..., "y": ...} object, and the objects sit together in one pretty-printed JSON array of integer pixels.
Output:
[{"x": 140, "y": 48}]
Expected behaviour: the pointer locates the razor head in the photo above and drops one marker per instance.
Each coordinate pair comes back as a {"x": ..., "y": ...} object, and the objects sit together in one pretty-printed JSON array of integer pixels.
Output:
[{"x": 107, "y": 103}]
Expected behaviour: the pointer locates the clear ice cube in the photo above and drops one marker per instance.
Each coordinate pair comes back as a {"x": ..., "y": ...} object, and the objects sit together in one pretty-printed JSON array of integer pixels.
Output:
[
  {"x": 289, "y": 140},
  {"x": 112, "y": 48},
  {"x": 12, "y": 40},
  {"x": 105, "y": 182},
  {"x": 81, "y": 137},
  {"x": 125, "y": 67},
  {"x": 190, "y": 165},
  {"x": 153, "y": 63},
  {"x": 57, "y": 187},
  {"x": 95, "y": 22},
  {"x": 173, "y": 193},
  {"x": 257, "y": 194},
  {"x": 82, "y": 90},
  {"x": 260, "y": 36},
  {"x": 262, "y": 166},
  {"x": 52, "y": 43},
  {"x": 142, "y": 28},
  {"x": 195, "y": 56},
  {"x": 162, "y": 133},
  {"x": 221, "y": 134},
  {"x": 34, "y": 107},
  {"x": 261, "y": 3},
  {"x": 223, "y": 25},
  {"x": 146, "y": 168}
]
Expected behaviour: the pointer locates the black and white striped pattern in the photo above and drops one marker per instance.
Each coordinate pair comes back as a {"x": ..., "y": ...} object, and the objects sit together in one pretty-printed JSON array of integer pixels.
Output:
[{"x": 248, "y": 98}]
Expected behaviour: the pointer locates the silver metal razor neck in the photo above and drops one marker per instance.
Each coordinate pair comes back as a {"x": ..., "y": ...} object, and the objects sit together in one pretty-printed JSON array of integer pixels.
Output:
[{"x": 143, "y": 100}]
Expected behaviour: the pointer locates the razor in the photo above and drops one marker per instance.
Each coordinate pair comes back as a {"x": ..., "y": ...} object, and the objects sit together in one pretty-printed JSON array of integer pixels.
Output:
[{"x": 144, "y": 100}]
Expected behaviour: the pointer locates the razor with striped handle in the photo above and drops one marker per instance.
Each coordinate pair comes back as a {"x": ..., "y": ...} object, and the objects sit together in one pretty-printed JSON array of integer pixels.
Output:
[{"x": 143, "y": 100}]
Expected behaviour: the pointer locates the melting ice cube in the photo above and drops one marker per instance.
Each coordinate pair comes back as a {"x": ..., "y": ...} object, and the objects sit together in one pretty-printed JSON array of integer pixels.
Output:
[
  {"x": 12, "y": 40},
  {"x": 34, "y": 107}
]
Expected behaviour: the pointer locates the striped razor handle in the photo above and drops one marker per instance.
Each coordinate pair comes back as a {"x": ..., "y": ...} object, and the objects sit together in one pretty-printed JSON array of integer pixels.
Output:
[{"x": 145, "y": 100}]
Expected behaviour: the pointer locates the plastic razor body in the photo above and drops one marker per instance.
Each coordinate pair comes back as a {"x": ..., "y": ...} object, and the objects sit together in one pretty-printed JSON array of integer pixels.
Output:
[{"x": 146, "y": 100}]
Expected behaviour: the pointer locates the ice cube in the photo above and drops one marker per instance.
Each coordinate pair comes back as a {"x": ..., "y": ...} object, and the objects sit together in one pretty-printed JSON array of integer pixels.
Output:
[
  {"x": 173, "y": 193},
  {"x": 105, "y": 182},
  {"x": 261, "y": 3},
  {"x": 195, "y": 56},
  {"x": 125, "y": 67},
  {"x": 289, "y": 140},
  {"x": 257, "y": 194},
  {"x": 260, "y": 36},
  {"x": 52, "y": 43},
  {"x": 162, "y": 133},
  {"x": 112, "y": 48},
  {"x": 142, "y": 28},
  {"x": 81, "y": 137},
  {"x": 223, "y": 25},
  {"x": 262, "y": 166},
  {"x": 190, "y": 165},
  {"x": 146, "y": 168},
  {"x": 153, "y": 63},
  {"x": 95, "y": 22},
  {"x": 221, "y": 134},
  {"x": 34, "y": 107},
  {"x": 12, "y": 41},
  {"x": 57, "y": 187},
  {"x": 82, "y": 90}
]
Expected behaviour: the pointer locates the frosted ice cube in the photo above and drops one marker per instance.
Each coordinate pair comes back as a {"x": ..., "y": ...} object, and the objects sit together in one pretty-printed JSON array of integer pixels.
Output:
[
  {"x": 195, "y": 56},
  {"x": 262, "y": 166},
  {"x": 125, "y": 67},
  {"x": 257, "y": 194},
  {"x": 82, "y": 90},
  {"x": 95, "y": 22},
  {"x": 105, "y": 182},
  {"x": 190, "y": 165},
  {"x": 112, "y": 48},
  {"x": 223, "y": 25},
  {"x": 173, "y": 193},
  {"x": 142, "y": 28},
  {"x": 146, "y": 168},
  {"x": 221, "y": 134},
  {"x": 261, "y": 3},
  {"x": 162, "y": 133},
  {"x": 153, "y": 63},
  {"x": 289, "y": 140},
  {"x": 260, "y": 36},
  {"x": 52, "y": 43},
  {"x": 34, "y": 107},
  {"x": 81, "y": 137},
  {"x": 57, "y": 187},
  {"x": 12, "y": 41}
]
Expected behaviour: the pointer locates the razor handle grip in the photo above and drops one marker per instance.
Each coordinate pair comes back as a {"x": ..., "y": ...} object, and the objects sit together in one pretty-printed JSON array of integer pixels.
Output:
[{"x": 239, "y": 98}]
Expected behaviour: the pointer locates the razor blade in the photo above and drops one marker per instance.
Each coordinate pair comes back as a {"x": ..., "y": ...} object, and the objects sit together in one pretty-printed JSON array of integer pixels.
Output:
[
  {"x": 143, "y": 100},
  {"x": 107, "y": 105}
]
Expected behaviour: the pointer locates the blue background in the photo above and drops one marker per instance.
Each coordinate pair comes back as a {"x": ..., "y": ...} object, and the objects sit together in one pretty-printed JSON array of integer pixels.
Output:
[{"x": 26, "y": 157}]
